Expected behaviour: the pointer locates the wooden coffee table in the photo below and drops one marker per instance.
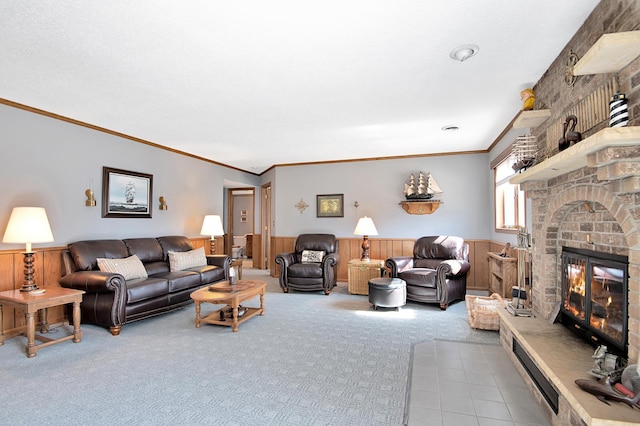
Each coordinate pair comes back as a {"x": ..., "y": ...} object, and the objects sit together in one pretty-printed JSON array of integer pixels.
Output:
[{"x": 230, "y": 295}]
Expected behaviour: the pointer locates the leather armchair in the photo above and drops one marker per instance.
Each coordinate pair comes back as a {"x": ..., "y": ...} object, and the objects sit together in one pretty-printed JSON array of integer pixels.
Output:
[
  {"x": 300, "y": 274},
  {"x": 437, "y": 271}
]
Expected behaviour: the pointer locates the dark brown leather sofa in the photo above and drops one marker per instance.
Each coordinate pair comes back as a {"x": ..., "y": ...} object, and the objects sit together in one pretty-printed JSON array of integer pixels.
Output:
[
  {"x": 437, "y": 272},
  {"x": 299, "y": 275},
  {"x": 111, "y": 301}
]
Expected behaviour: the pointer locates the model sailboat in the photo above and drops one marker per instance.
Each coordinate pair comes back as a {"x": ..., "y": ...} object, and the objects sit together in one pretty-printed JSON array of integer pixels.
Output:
[{"x": 425, "y": 189}]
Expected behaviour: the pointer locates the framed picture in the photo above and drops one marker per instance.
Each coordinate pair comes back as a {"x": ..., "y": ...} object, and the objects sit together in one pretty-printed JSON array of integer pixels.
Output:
[
  {"x": 243, "y": 219},
  {"x": 126, "y": 193},
  {"x": 330, "y": 205},
  {"x": 243, "y": 212}
]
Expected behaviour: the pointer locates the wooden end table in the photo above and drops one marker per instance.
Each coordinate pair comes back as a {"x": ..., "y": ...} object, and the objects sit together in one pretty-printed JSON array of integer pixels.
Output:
[
  {"x": 232, "y": 296},
  {"x": 30, "y": 304}
]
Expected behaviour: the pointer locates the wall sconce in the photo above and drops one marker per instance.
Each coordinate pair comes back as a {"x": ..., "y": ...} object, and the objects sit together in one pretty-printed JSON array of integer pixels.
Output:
[
  {"x": 365, "y": 227},
  {"x": 163, "y": 203},
  {"x": 212, "y": 226},
  {"x": 28, "y": 225},
  {"x": 91, "y": 201}
]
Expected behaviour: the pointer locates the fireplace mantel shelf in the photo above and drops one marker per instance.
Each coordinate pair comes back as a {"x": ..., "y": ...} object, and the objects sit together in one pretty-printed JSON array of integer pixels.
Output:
[{"x": 575, "y": 157}]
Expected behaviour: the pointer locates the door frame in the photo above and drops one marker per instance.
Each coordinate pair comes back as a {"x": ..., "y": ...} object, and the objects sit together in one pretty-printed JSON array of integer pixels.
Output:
[
  {"x": 228, "y": 241},
  {"x": 266, "y": 223}
]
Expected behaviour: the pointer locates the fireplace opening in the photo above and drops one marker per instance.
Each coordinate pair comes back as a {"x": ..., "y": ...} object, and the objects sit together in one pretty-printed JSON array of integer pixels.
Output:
[{"x": 594, "y": 297}]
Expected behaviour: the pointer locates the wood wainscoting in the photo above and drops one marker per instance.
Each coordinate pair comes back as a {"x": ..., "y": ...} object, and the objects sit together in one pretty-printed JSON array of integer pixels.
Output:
[{"x": 351, "y": 248}]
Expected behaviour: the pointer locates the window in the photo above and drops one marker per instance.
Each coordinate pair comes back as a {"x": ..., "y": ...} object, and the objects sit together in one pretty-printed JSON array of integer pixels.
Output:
[{"x": 509, "y": 199}]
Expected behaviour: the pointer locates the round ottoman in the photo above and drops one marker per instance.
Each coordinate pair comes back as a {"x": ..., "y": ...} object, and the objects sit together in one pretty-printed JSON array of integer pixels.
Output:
[{"x": 387, "y": 293}]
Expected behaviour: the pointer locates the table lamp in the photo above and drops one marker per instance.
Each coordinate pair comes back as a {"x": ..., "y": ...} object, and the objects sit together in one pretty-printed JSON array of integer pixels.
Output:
[
  {"x": 365, "y": 227},
  {"x": 28, "y": 225},
  {"x": 212, "y": 226}
]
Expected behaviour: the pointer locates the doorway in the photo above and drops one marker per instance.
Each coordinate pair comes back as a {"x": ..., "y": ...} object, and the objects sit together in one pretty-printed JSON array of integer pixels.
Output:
[{"x": 240, "y": 223}]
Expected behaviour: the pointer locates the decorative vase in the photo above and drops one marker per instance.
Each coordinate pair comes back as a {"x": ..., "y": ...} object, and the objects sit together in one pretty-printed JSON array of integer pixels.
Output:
[{"x": 618, "y": 111}]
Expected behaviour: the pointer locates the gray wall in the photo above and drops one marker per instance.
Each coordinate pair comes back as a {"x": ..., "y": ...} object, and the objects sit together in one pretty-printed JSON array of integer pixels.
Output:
[
  {"x": 242, "y": 202},
  {"x": 49, "y": 163},
  {"x": 377, "y": 186}
]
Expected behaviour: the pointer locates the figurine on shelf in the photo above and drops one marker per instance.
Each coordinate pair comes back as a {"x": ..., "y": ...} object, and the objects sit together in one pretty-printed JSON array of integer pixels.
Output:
[
  {"x": 572, "y": 136},
  {"x": 569, "y": 134},
  {"x": 506, "y": 251},
  {"x": 528, "y": 98}
]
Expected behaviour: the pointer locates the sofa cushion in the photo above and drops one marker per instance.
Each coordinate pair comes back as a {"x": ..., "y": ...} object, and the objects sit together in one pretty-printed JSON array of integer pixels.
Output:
[
  {"x": 156, "y": 268},
  {"x": 305, "y": 270},
  {"x": 181, "y": 280},
  {"x": 147, "y": 249},
  {"x": 209, "y": 273},
  {"x": 439, "y": 247},
  {"x": 130, "y": 268},
  {"x": 85, "y": 253},
  {"x": 312, "y": 256},
  {"x": 179, "y": 261},
  {"x": 146, "y": 288},
  {"x": 422, "y": 277},
  {"x": 324, "y": 242},
  {"x": 174, "y": 243}
]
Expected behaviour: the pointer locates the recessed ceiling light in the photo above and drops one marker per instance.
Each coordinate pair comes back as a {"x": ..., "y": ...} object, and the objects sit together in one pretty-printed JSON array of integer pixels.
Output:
[
  {"x": 450, "y": 128},
  {"x": 464, "y": 52}
]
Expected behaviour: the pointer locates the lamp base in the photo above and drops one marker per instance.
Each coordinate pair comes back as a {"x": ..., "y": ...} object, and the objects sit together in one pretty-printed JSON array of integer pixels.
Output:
[
  {"x": 365, "y": 249},
  {"x": 29, "y": 283},
  {"x": 28, "y": 288}
]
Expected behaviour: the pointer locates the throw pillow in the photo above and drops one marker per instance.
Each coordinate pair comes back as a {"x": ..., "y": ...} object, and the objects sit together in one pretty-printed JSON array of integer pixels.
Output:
[
  {"x": 312, "y": 256},
  {"x": 179, "y": 260},
  {"x": 130, "y": 268}
]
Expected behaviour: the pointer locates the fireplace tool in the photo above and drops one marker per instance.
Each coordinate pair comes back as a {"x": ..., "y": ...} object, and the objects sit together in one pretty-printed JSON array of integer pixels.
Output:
[{"x": 518, "y": 304}]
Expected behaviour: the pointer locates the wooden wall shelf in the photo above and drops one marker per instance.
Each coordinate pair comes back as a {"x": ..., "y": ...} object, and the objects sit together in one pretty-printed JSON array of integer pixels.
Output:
[
  {"x": 611, "y": 53},
  {"x": 533, "y": 118},
  {"x": 420, "y": 207},
  {"x": 575, "y": 157}
]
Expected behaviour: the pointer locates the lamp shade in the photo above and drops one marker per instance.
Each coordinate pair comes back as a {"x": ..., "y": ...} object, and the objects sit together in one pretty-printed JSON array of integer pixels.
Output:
[
  {"x": 28, "y": 225},
  {"x": 365, "y": 226},
  {"x": 212, "y": 225}
]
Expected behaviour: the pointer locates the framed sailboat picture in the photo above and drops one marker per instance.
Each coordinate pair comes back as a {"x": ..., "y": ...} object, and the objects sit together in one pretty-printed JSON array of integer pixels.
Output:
[
  {"x": 330, "y": 205},
  {"x": 126, "y": 193}
]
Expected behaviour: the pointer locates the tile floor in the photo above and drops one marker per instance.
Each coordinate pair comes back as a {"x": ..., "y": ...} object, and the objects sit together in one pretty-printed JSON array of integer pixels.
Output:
[{"x": 459, "y": 384}]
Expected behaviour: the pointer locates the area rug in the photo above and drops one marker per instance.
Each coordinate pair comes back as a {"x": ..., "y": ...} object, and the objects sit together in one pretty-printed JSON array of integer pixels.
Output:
[{"x": 310, "y": 360}]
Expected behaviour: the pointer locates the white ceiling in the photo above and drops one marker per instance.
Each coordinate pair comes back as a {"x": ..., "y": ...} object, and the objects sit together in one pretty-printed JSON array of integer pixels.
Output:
[{"x": 255, "y": 83}]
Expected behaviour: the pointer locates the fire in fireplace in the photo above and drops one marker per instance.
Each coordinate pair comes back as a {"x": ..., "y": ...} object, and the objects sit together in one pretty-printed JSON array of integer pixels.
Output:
[{"x": 594, "y": 297}]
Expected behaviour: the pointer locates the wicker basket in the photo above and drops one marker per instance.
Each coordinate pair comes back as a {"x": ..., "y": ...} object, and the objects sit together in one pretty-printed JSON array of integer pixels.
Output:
[{"x": 484, "y": 315}]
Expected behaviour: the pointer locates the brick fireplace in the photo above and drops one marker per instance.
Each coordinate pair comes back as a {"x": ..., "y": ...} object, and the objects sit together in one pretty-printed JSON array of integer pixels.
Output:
[
  {"x": 597, "y": 208},
  {"x": 586, "y": 197}
]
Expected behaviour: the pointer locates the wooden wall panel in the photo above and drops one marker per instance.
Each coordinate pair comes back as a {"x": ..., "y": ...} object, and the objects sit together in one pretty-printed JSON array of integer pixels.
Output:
[
  {"x": 351, "y": 248},
  {"x": 479, "y": 274}
]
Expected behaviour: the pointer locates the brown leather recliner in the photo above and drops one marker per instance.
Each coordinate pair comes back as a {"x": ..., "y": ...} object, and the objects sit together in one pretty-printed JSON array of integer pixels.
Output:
[
  {"x": 312, "y": 266},
  {"x": 437, "y": 272}
]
